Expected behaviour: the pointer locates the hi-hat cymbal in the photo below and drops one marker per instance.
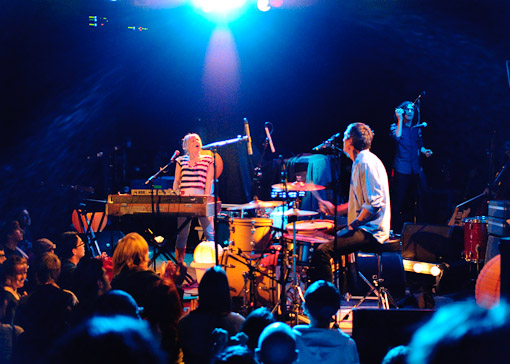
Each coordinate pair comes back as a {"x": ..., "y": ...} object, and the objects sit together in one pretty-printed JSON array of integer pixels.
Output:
[
  {"x": 256, "y": 204},
  {"x": 297, "y": 186},
  {"x": 295, "y": 212}
]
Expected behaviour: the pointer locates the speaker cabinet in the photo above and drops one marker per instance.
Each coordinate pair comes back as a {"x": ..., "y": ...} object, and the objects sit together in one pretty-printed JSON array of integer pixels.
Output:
[
  {"x": 432, "y": 243},
  {"x": 375, "y": 331}
]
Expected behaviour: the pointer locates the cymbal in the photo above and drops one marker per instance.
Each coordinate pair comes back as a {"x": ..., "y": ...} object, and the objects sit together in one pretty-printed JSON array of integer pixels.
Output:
[
  {"x": 296, "y": 212},
  {"x": 256, "y": 204},
  {"x": 297, "y": 186}
]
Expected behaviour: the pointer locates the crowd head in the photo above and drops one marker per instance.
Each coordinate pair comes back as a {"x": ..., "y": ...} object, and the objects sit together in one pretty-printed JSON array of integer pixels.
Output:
[
  {"x": 277, "y": 345},
  {"x": 132, "y": 251}
]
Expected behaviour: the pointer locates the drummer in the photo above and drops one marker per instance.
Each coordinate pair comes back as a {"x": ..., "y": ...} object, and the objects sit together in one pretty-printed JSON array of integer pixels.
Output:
[
  {"x": 368, "y": 209},
  {"x": 194, "y": 173}
]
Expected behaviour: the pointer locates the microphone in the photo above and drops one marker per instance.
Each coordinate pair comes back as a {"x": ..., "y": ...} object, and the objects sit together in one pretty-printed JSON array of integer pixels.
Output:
[
  {"x": 327, "y": 143},
  {"x": 270, "y": 140},
  {"x": 174, "y": 156},
  {"x": 421, "y": 125},
  {"x": 247, "y": 132}
]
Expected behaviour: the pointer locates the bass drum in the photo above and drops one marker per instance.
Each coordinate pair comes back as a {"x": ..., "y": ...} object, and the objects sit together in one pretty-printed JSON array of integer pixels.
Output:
[{"x": 237, "y": 269}]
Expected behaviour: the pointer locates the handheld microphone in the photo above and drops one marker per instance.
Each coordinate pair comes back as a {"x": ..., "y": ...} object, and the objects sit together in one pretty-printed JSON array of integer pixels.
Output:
[
  {"x": 174, "y": 156},
  {"x": 421, "y": 125},
  {"x": 270, "y": 140},
  {"x": 247, "y": 132}
]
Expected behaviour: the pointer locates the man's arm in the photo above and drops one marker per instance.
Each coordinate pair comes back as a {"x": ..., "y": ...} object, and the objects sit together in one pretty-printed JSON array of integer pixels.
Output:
[{"x": 373, "y": 183}]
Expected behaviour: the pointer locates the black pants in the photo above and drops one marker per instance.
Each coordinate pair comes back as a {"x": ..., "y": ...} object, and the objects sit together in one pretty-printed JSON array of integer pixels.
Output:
[
  {"x": 348, "y": 241},
  {"x": 404, "y": 185}
]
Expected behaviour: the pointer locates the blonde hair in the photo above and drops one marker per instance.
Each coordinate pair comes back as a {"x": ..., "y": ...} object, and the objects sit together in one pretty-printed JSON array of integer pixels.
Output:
[
  {"x": 185, "y": 141},
  {"x": 131, "y": 252}
]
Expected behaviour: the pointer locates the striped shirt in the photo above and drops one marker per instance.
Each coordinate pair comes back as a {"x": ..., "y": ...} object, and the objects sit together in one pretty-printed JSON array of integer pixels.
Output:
[{"x": 196, "y": 176}]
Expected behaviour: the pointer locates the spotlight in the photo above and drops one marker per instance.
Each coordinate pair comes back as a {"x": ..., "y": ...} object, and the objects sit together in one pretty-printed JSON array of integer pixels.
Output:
[
  {"x": 263, "y": 5},
  {"x": 423, "y": 267},
  {"x": 218, "y": 6},
  {"x": 418, "y": 267},
  {"x": 435, "y": 270}
]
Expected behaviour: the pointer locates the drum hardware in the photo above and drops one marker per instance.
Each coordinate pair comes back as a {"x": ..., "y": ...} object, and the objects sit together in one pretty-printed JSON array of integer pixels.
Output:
[
  {"x": 257, "y": 286},
  {"x": 294, "y": 292}
]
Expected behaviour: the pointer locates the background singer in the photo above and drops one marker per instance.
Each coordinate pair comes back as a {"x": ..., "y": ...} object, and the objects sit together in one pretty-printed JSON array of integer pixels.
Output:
[{"x": 408, "y": 176}]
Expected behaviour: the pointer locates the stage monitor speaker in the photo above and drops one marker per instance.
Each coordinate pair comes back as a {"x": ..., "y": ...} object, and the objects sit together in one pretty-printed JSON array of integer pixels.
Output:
[
  {"x": 375, "y": 331},
  {"x": 432, "y": 243}
]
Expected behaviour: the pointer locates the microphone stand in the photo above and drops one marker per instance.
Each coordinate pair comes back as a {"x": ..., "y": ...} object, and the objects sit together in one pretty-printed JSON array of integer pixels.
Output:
[
  {"x": 336, "y": 194},
  {"x": 216, "y": 200},
  {"x": 214, "y": 147},
  {"x": 155, "y": 175},
  {"x": 150, "y": 180}
]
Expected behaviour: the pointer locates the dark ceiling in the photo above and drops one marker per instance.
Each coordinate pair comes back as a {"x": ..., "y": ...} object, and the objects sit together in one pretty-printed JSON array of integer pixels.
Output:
[{"x": 72, "y": 91}]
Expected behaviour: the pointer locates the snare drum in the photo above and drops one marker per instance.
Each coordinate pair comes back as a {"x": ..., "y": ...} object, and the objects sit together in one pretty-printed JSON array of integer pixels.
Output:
[
  {"x": 475, "y": 239},
  {"x": 252, "y": 234},
  {"x": 309, "y": 227}
]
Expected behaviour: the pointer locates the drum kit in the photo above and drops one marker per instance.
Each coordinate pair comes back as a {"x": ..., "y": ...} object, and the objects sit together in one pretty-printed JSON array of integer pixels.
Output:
[{"x": 265, "y": 263}]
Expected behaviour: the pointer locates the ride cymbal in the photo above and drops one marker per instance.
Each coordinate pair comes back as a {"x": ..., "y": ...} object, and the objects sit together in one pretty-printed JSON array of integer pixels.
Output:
[
  {"x": 295, "y": 212},
  {"x": 256, "y": 204}
]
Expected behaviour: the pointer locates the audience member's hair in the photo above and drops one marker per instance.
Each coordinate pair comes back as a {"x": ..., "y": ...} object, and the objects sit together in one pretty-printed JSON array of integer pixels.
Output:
[
  {"x": 236, "y": 354},
  {"x": 106, "y": 340},
  {"x": 67, "y": 242},
  {"x": 396, "y": 355},
  {"x": 8, "y": 228},
  {"x": 361, "y": 135},
  {"x": 255, "y": 323},
  {"x": 131, "y": 252},
  {"x": 117, "y": 302},
  {"x": 464, "y": 333},
  {"x": 49, "y": 269},
  {"x": 10, "y": 265},
  {"x": 214, "y": 292},
  {"x": 322, "y": 300},
  {"x": 23, "y": 217},
  {"x": 277, "y": 345},
  {"x": 43, "y": 246}
]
